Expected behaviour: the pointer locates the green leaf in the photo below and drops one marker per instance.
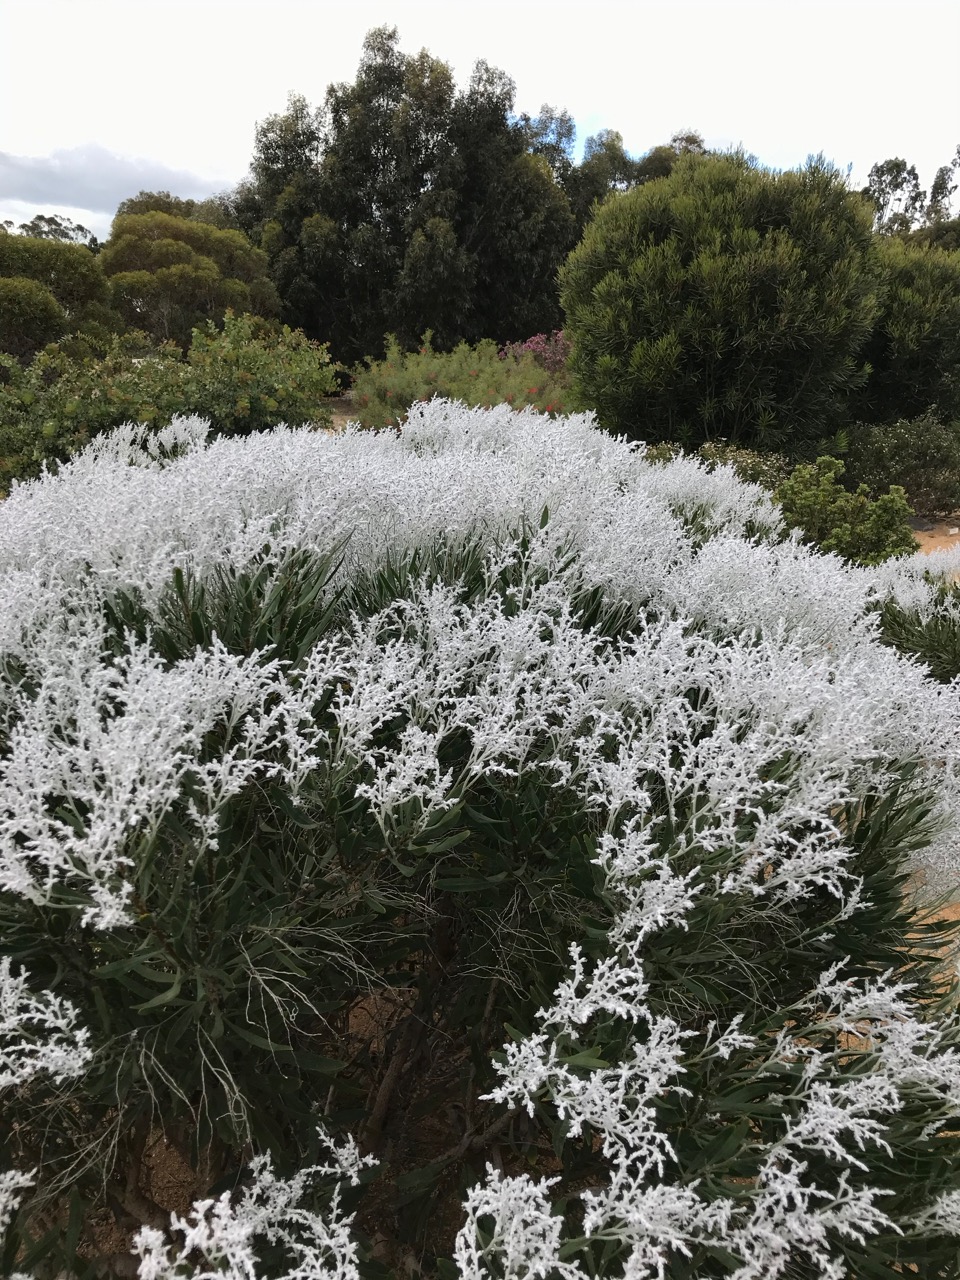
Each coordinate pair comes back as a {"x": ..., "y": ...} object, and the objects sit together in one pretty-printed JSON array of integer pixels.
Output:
[
  {"x": 413, "y": 1184},
  {"x": 448, "y": 842},
  {"x": 584, "y": 1058},
  {"x": 165, "y": 997}
]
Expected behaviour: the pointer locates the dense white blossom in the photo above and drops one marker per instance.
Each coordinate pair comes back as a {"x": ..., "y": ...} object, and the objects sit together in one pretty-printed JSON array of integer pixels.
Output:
[
  {"x": 12, "y": 1184},
  {"x": 752, "y": 694},
  {"x": 525, "y": 1233}
]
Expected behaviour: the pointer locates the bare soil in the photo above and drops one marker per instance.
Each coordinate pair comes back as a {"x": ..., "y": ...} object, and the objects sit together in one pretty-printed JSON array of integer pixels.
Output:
[
  {"x": 341, "y": 409},
  {"x": 937, "y": 535}
]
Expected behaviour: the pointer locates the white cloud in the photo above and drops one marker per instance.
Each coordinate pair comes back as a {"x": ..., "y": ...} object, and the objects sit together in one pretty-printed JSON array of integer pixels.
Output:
[{"x": 93, "y": 179}]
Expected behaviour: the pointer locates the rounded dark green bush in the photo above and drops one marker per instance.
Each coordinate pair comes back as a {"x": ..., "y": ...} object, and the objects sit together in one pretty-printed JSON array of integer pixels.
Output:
[
  {"x": 914, "y": 348},
  {"x": 723, "y": 302}
]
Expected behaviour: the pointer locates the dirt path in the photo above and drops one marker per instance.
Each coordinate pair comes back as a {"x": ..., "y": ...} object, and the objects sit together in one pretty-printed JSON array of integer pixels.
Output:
[
  {"x": 340, "y": 408},
  {"x": 937, "y": 535}
]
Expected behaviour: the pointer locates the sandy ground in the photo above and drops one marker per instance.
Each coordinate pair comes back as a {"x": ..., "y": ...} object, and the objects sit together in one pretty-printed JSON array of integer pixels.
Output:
[
  {"x": 340, "y": 408},
  {"x": 937, "y": 535}
]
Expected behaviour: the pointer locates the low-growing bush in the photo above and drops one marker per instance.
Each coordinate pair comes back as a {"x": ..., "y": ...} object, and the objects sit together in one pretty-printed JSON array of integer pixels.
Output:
[
  {"x": 551, "y": 351},
  {"x": 473, "y": 850},
  {"x": 245, "y": 377},
  {"x": 767, "y": 469},
  {"x": 252, "y": 374},
  {"x": 385, "y": 389},
  {"x": 931, "y": 635},
  {"x": 921, "y": 455},
  {"x": 852, "y": 524}
]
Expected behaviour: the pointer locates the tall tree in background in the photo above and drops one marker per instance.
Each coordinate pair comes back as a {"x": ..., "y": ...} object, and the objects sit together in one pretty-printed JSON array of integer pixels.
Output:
[
  {"x": 53, "y": 226},
  {"x": 402, "y": 205},
  {"x": 900, "y": 203},
  {"x": 894, "y": 188},
  {"x": 512, "y": 216},
  {"x": 942, "y": 191},
  {"x": 606, "y": 167}
]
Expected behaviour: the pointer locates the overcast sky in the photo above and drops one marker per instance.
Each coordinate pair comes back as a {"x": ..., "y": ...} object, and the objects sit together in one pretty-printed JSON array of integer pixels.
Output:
[{"x": 100, "y": 99}]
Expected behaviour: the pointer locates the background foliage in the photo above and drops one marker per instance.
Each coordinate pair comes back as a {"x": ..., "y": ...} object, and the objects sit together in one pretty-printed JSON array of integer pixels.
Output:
[
  {"x": 385, "y": 389},
  {"x": 921, "y": 454},
  {"x": 169, "y": 274},
  {"x": 912, "y": 350},
  {"x": 245, "y": 377}
]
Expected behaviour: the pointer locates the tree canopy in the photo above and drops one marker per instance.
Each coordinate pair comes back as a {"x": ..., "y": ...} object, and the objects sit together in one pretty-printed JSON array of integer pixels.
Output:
[
  {"x": 213, "y": 210},
  {"x": 402, "y": 203},
  {"x": 900, "y": 204},
  {"x": 53, "y": 226},
  {"x": 169, "y": 274},
  {"x": 71, "y": 273}
]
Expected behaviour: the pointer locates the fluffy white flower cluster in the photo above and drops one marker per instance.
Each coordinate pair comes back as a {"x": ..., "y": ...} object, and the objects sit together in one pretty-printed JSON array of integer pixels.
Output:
[
  {"x": 37, "y": 1032},
  {"x": 226, "y": 1234},
  {"x": 778, "y": 643}
]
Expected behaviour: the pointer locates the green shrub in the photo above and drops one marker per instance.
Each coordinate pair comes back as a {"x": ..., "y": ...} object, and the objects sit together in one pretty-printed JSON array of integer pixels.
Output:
[
  {"x": 246, "y": 378},
  {"x": 30, "y": 316},
  {"x": 58, "y": 403},
  {"x": 70, "y": 271},
  {"x": 922, "y": 455},
  {"x": 253, "y": 374},
  {"x": 767, "y": 469},
  {"x": 914, "y": 348},
  {"x": 814, "y": 501},
  {"x": 385, "y": 389},
  {"x": 932, "y": 636},
  {"x": 723, "y": 302},
  {"x": 852, "y": 524}
]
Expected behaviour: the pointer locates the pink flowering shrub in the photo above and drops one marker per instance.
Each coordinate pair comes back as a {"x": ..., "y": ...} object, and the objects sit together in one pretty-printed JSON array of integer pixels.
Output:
[
  {"x": 551, "y": 351},
  {"x": 477, "y": 850}
]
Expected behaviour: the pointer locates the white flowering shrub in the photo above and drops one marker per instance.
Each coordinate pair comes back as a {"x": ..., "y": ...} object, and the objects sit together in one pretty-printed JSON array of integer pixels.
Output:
[{"x": 541, "y": 822}]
